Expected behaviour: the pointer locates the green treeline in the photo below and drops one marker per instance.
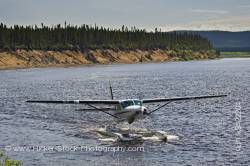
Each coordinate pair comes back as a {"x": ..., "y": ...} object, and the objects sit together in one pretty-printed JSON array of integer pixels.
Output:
[{"x": 69, "y": 37}]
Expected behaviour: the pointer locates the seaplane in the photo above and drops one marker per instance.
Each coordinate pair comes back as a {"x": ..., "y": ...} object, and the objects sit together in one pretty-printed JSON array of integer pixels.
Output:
[{"x": 128, "y": 110}]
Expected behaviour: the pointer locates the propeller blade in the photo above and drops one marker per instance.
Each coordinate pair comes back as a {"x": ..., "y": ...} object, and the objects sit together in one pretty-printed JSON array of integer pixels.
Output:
[{"x": 131, "y": 119}]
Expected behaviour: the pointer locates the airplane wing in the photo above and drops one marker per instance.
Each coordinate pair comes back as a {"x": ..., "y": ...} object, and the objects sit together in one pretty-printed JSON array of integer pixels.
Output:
[
  {"x": 75, "y": 101},
  {"x": 179, "y": 98}
]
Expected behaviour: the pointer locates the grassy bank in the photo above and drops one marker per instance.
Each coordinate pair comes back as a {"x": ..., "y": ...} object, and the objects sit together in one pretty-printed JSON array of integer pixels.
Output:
[
  {"x": 6, "y": 161},
  {"x": 38, "y": 58},
  {"x": 235, "y": 54}
]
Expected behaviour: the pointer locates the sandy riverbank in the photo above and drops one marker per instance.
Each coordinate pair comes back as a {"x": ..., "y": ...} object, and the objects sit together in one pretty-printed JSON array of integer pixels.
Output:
[{"x": 38, "y": 58}]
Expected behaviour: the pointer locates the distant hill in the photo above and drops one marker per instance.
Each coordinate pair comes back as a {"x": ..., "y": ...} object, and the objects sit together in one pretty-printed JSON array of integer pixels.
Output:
[{"x": 227, "y": 41}]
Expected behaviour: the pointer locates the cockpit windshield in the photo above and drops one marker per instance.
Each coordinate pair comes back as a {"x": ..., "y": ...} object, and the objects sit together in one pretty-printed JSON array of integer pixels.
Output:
[{"x": 127, "y": 103}]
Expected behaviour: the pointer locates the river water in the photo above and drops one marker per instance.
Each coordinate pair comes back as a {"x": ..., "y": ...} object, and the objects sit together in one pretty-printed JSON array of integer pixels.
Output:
[{"x": 211, "y": 132}]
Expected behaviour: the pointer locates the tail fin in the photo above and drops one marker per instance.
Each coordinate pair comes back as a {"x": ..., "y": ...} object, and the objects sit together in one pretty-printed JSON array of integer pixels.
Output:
[{"x": 111, "y": 91}]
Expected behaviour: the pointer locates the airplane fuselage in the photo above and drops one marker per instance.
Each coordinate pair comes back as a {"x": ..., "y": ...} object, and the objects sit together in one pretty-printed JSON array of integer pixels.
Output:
[{"x": 131, "y": 108}]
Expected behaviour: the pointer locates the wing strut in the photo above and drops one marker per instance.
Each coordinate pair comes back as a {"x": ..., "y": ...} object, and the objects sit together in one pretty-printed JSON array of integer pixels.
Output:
[
  {"x": 99, "y": 109},
  {"x": 158, "y": 108}
]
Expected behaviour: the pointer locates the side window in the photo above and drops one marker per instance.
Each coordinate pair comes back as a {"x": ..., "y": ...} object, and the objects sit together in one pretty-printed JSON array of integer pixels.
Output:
[
  {"x": 138, "y": 102},
  {"x": 124, "y": 104}
]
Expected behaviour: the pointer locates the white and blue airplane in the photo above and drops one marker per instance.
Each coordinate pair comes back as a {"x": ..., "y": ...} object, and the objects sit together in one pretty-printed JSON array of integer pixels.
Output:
[{"x": 128, "y": 109}]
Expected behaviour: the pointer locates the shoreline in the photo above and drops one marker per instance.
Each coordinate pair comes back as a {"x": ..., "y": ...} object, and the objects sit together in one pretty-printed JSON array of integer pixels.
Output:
[
  {"x": 95, "y": 64},
  {"x": 22, "y": 59},
  {"x": 98, "y": 64}
]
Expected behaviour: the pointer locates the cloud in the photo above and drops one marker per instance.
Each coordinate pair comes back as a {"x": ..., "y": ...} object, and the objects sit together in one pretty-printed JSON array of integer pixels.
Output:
[
  {"x": 238, "y": 23},
  {"x": 244, "y": 6},
  {"x": 204, "y": 11}
]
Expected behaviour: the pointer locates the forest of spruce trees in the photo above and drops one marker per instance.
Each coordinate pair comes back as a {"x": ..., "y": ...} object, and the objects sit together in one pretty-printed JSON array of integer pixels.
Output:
[{"x": 69, "y": 37}]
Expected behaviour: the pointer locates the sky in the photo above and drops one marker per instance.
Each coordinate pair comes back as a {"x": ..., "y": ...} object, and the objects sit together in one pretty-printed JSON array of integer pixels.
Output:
[{"x": 167, "y": 15}]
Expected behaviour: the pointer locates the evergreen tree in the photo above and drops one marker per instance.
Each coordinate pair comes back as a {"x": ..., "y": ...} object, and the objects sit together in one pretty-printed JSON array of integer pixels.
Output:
[{"x": 69, "y": 37}]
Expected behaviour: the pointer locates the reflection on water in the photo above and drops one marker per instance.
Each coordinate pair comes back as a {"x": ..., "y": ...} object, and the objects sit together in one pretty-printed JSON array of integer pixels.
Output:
[{"x": 206, "y": 127}]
